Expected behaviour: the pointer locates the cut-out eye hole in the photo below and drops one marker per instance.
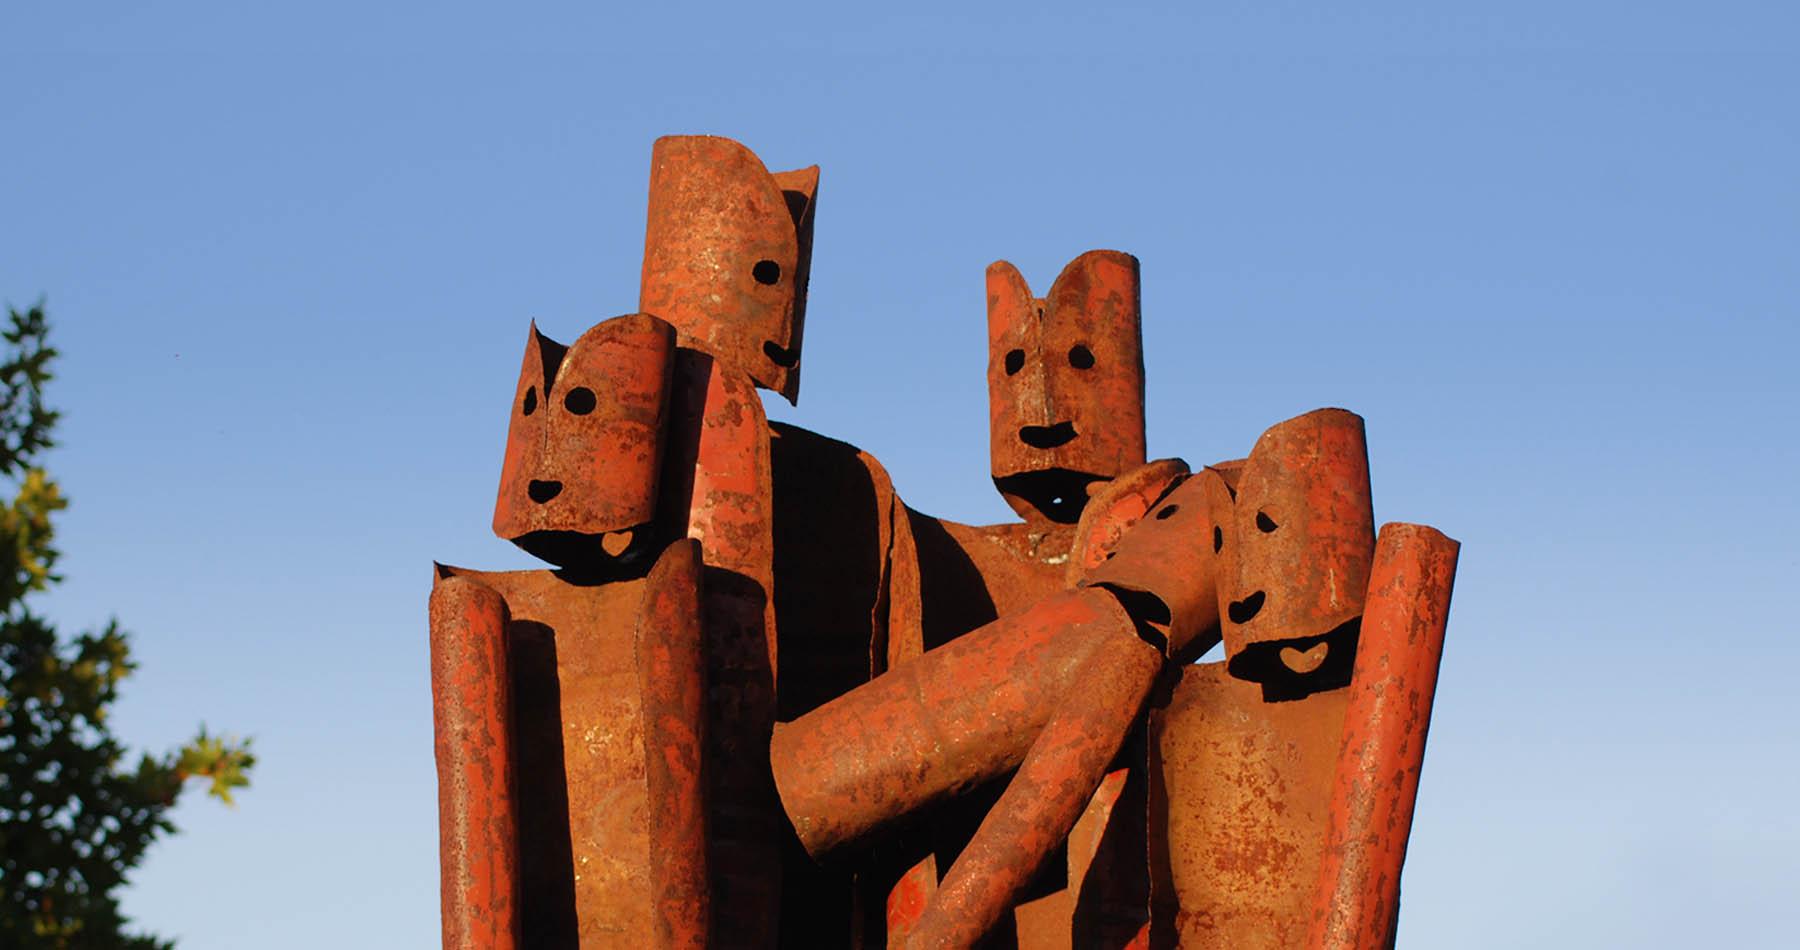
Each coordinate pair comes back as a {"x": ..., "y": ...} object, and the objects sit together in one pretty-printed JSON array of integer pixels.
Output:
[
  {"x": 1167, "y": 513},
  {"x": 766, "y": 272},
  {"x": 579, "y": 401},
  {"x": 780, "y": 355},
  {"x": 1081, "y": 357},
  {"x": 530, "y": 400},
  {"x": 1015, "y": 361},
  {"x": 1218, "y": 539},
  {"x": 1264, "y": 523}
]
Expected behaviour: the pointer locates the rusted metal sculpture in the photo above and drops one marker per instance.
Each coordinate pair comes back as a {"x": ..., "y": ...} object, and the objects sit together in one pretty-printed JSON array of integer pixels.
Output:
[
  {"x": 1242, "y": 754},
  {"x": 570, "y": 703},
  {"x": 1065, "y": 383},
  {"x": 1065, "y": 410},
  {"x": 1245, "y": 754},
  {"x": 760, "y": 702},
  {"x": 726, "y": 253}
]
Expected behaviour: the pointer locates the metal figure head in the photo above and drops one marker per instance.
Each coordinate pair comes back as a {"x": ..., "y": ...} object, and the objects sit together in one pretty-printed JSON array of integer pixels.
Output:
[
  {"x": 584, "y": 450},
  {"x": 1295, "y": 539},
  {"x": 727, "y": 254},
  {"x": 1065, "y": 383}
]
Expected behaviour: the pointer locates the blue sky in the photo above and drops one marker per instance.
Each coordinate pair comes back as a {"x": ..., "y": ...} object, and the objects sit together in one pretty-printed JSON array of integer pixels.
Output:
[{"x": 1548, "y": 250}]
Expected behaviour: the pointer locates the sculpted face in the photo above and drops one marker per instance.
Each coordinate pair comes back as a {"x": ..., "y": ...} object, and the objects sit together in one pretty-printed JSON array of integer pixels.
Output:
[
  {"x": 584, "y": 450},
  {"x": 727, "y": 253},
  {"x": 1065, "y": 383},
  {"x": 1295, "y": 546},
  {"x": 1163, "y": 566}
]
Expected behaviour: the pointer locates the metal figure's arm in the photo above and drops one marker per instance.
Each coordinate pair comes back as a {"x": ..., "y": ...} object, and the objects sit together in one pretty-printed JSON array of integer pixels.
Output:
[
  {"x": 471, "y": 715},
  {"x": 1046, "y": 796},
  {"x": 940, "y": 724},
  {"x": 1357, "y": 896},
  {"x": 671, "y": 664}
]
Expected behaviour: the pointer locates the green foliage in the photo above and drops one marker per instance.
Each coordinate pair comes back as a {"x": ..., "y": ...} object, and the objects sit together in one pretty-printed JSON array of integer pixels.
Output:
[{"x": 74, "y": 817}]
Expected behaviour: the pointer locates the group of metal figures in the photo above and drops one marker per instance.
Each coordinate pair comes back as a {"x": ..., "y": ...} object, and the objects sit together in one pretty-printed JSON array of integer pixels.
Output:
[{"x": 760, "y": 702}]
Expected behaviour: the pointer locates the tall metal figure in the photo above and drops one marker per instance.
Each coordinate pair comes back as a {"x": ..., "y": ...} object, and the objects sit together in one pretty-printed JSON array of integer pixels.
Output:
[
  {"x": 569, "y": 702},
  {"x": 1066, "y": 419}
]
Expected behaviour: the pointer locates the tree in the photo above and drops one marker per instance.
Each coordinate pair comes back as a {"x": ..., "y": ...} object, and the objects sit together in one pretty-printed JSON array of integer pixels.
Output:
[{"x": 73, "y": 819}]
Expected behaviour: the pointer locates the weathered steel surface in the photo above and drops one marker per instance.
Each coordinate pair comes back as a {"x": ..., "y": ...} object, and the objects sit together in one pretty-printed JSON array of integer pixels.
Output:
[
  {"x": 1243, "y": 754},
  {"x": 598, "y": 656},
  {"x": 1168, "y": 557},
  {"x": 471, "y": 716},
  {"x": 671, "y": 668},
  {"x": 841, "y": 534},
  {"x": 586, "y": 824},
  {"x": 1301, "y": 536},
  {"x": 584, "y": 448},
  {"x": 939, "y": 725},
  {"x": 727, "y": 253},
  {"x": 907, "y": 900},
  {"x": 1065, "y": 383},
  {"x": 1055, "y": 782},
  {"x": 719, "y": 493},
  {"x": 842, "y": 553},
  {"x": 1238, "y": 798},
  {"x": 612, "y": 771},
  {"x": 1385, "y": 723},
  {"x": 1114, "y": 508},
  {"x": 1046, "y": 462},
  {"x": 1105, "y": 899}
]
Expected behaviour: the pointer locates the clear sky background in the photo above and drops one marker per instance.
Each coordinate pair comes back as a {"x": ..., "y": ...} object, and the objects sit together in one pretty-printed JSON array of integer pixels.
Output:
[{"x": 1548, "y": 250}]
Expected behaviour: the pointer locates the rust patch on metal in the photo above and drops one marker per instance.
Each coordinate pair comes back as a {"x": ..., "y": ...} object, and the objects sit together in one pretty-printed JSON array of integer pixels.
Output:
[
  {"x": 938, "y": 725},
  {"x": 477, "y": 816},
  {"x": 1168, "y": 556},
  {"x": 584, "y": 447},
  {"x": 671, "y": 667},
  {"x": 1065, "y": 383},
  {"x": 1243, "y": 753},
  {"x": 611, "y": 766},
  {"x": 1056, "y": 780},
  {"x": 719, "y": 493},
  {"x": 1300, "y": 536},
  {"x": 1357, "y": 898},
  {"x": 727, "y": 253}
]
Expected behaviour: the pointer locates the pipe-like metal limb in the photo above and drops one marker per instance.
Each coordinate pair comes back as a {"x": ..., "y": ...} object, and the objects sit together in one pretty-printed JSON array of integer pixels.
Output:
[
  {"x": 940, "y": 724},
  {"x": 1385, "y": 723},
  {"x": 1042, "y": 802},
  {"x": 471, "y": 716},
  {"x": 671, "y": 667}
]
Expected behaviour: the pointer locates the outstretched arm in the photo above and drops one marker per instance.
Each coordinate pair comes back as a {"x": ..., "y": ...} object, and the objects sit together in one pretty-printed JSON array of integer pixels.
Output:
[{"x": 1046, "y": 796}]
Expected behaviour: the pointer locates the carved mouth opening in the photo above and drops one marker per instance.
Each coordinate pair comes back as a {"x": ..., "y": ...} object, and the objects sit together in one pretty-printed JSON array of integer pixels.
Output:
[
  {"x": 780, "y": 355},
  {"x": 591, "y": 556},
  {"x": 1058, "y": 493},
  {"x": 1047, "y": 437},
  {"x": 1263, "y": 662}
]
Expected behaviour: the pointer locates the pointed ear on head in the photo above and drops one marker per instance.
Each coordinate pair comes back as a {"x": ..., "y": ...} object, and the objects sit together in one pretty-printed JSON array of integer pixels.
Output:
[
  {"x": 1010, "y": 307},
  {"x": 584, "y": 451}
]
